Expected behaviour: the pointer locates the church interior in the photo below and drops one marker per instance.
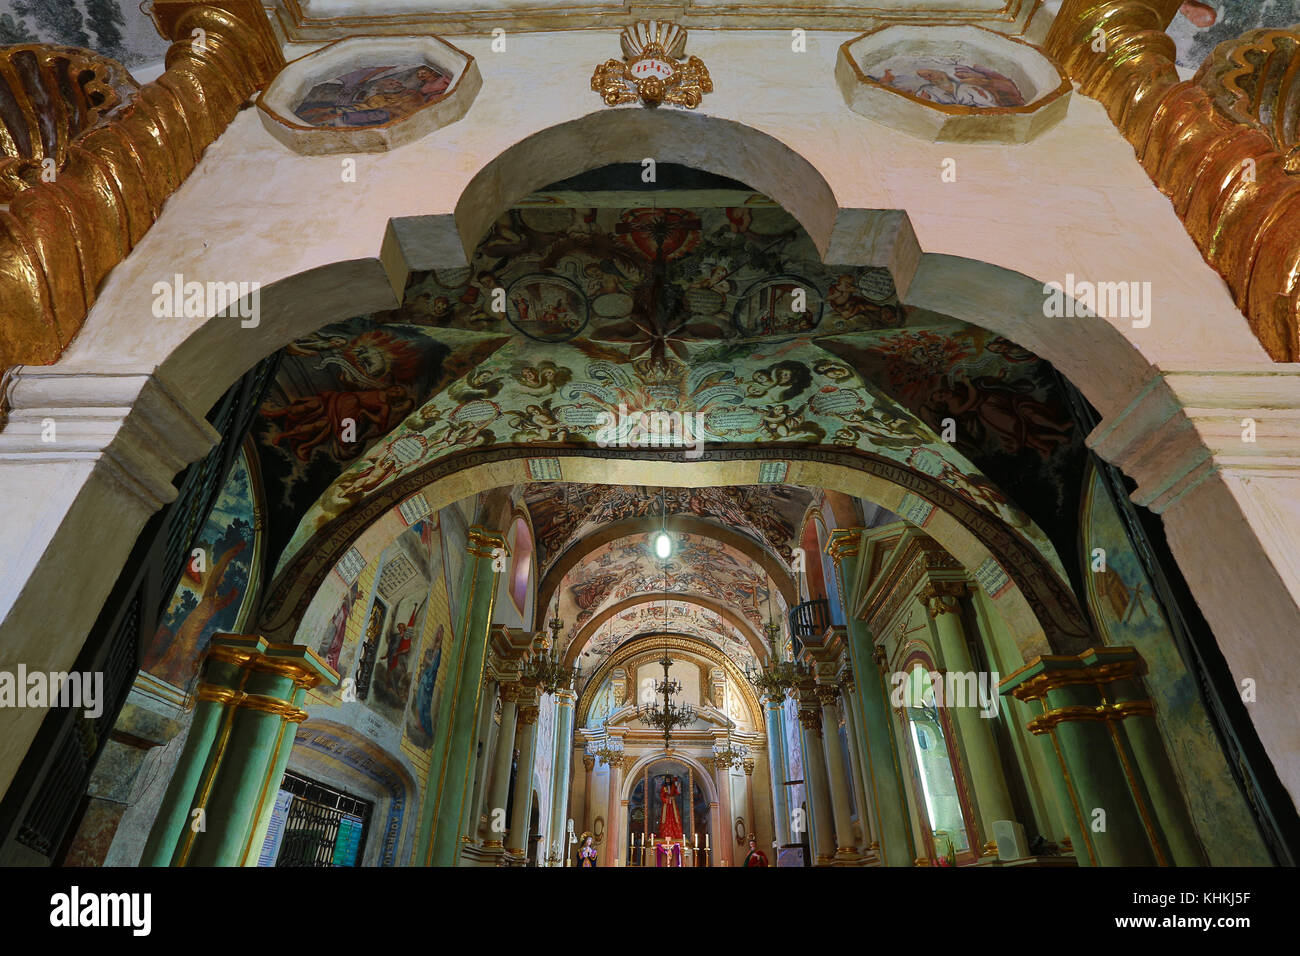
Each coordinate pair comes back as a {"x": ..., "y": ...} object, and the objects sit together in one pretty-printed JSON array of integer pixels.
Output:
[{"x": 853, "y": 435}]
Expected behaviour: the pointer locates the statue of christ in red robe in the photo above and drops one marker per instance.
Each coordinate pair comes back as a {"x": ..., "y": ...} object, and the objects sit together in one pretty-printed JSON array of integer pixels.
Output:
[{"x": 670, "y": 820}]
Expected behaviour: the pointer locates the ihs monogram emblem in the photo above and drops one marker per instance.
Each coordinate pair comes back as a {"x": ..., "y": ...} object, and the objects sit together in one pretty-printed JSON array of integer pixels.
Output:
[{"x": 651, "y": 69}]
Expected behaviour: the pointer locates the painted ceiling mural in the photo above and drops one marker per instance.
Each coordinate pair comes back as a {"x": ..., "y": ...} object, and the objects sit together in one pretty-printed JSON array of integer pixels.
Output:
[
  {"x": 573, "y": 317},
  {"x": 336, "y": 392},
  {"x": 699, "y": 565},
  {"x": 788, "y": 392},
  {"x": 1201, "y": 25},
  {"x": 566, "y": 512},
  {"x": 683, "y": 618}
]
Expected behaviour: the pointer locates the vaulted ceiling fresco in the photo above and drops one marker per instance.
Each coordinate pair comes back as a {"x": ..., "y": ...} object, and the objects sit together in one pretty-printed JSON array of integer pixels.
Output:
[
  {"x": 628, "y": 568},
  {"x": 579, "y": 310},
  {"x": 565, "y": 512}
]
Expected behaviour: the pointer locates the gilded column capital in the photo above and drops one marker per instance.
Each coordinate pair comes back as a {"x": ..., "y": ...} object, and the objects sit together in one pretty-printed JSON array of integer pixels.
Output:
[
  {"x": 588, "y": 762},
  {"x": 616, "y": 760},
  {"x": 749, "y": 766},
  {"x": 811, "y": 718},
  {"x": 483, "y": 543},
  {"x": 1100, "y": 667},
  {"x": 942, "y": 597},
  {"x": 844, "y": 543},
  {"x": 827, "y": 694},
  {"x": 528, "y": 713},
  {"x": 511, "y": 692}
]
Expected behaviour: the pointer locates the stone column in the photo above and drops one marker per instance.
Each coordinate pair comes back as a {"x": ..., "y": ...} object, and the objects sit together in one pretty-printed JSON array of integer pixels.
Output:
[
  {"x": 893, "y": 829},
  {"x": 883, "y": 810},
  {"x": 776, "y": 770},
  {"x": 478, "y": 764},
  {"x": 1116, "y": 780},
  {"x": 846, "y": 852},
  {"x": 751, "y": 820},
  {"x": 499, "y": 795},
  {"x": 561, "y": 762},
  {"x": 588, "y": 766},
  {"x": 855, "y": 763},
  {"x": 942, "y": 600},
  {"x": 614, "y": 815},
  {"x": 724, "y": 834},
  {"x": 522, "y": 801},
  {"x": 818, "y": 787},
  {"x": 231, "y": 768},
  {"x": 447, "y": 796}
]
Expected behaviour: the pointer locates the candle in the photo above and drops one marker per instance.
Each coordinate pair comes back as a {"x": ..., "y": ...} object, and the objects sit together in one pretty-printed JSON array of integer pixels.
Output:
[{"x": 706, "y": 841}]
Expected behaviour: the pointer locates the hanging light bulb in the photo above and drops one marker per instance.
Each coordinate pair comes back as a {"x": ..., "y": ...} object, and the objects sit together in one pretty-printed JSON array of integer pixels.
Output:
[{"x": 663, "y": 545}]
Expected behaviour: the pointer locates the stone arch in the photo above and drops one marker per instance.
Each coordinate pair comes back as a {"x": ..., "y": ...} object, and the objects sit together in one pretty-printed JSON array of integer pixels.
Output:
[
  {"x": 1035, "y": 603},
  {"x": 137, "y": 422},
  {"x": 703, "y": 776}
]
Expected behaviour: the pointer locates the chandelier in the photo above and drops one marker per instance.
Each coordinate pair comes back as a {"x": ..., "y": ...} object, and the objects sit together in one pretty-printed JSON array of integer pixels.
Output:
[
  {"x": 730, "y": 755},
  {"x": 545, "y": 669},
  {"x": 611, "y": 748},
  {"x": 668, "y": 715},
  {"x": 774, "y": 678}
]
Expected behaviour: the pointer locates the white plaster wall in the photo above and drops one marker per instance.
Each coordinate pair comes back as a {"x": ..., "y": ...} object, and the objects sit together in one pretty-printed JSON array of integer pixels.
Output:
[{"x": 1074, "y": 200}]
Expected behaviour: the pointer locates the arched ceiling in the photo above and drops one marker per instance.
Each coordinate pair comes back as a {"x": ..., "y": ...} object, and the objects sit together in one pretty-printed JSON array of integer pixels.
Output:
[
  {"x": 564, "y": 513},
  {"x": 686, "y": 302}
]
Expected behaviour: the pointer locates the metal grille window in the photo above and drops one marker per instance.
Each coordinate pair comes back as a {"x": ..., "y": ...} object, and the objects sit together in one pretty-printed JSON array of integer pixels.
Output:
[{"x": 316, "y": 825}]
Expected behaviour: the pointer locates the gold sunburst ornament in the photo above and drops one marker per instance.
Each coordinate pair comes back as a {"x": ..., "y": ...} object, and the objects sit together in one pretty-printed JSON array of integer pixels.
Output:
[{"x": 652, "y": 70}]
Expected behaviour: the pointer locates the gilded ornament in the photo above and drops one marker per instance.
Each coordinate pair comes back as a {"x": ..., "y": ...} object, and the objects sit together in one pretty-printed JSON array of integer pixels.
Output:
[{"x": 652, "y": 70}]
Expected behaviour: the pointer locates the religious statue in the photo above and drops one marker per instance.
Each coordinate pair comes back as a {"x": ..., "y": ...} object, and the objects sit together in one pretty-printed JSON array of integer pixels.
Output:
[
  {"x": 670, "y": 819},
  {"x": 587, "y": 854},
  {"x": 756, "y": 856}
]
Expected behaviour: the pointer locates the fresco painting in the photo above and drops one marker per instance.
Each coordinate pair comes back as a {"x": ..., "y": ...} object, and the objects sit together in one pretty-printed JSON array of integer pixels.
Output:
[
  {"x": 372, "y": 96},
  {"x": 948, "y": 81},
  {"x": 213, "y": 592},
  {"x": 1127, "y": 613}
]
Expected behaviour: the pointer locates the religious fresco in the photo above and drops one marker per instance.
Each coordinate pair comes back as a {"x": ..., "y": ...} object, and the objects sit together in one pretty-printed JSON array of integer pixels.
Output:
[
  {"x": 1126, "y": 613},
  {"x": 372, "y": 96},
  {"x": 785, "y": 393},
  {"x": 565, "y": 512},
  {"x": 1006, "y": 408},
  {"x": 947, "y": 81},
  {"x": 683, "y": 617},
  {"x": 214, "y": 592},
  {"x": 699, "y": 565},
  {"x": 338, "y": 390},
  {"x": 1201, "y": 25},
  {"x": 649, "y": 279}
]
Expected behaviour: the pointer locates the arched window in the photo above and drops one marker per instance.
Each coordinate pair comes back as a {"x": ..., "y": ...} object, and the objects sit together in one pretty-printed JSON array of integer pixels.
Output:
[{"x": 941, "y": 788}]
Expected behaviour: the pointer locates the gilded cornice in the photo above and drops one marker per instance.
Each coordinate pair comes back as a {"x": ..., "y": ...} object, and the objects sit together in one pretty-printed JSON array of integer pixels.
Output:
[
  {"x": 1212, "y": 144},
  {"x": 60, "y": 238},
  {"x": 914, "y": 558}
]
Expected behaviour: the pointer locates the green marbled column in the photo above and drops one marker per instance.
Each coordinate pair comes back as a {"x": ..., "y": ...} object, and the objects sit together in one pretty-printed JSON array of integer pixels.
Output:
[
  {"x": 893, "y": 830},
  {"x": 261, "y": 737},
  {"x": 942, "y": 601},
  {"x": 235, "y": 754},
  {"x": 1078, "y": 722},
  {"x": 282, "y": 654},
  {"x": 561, "y": 761},
  {"x": 220, "y": 686},
  {"x": 447, "y": 793}
]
